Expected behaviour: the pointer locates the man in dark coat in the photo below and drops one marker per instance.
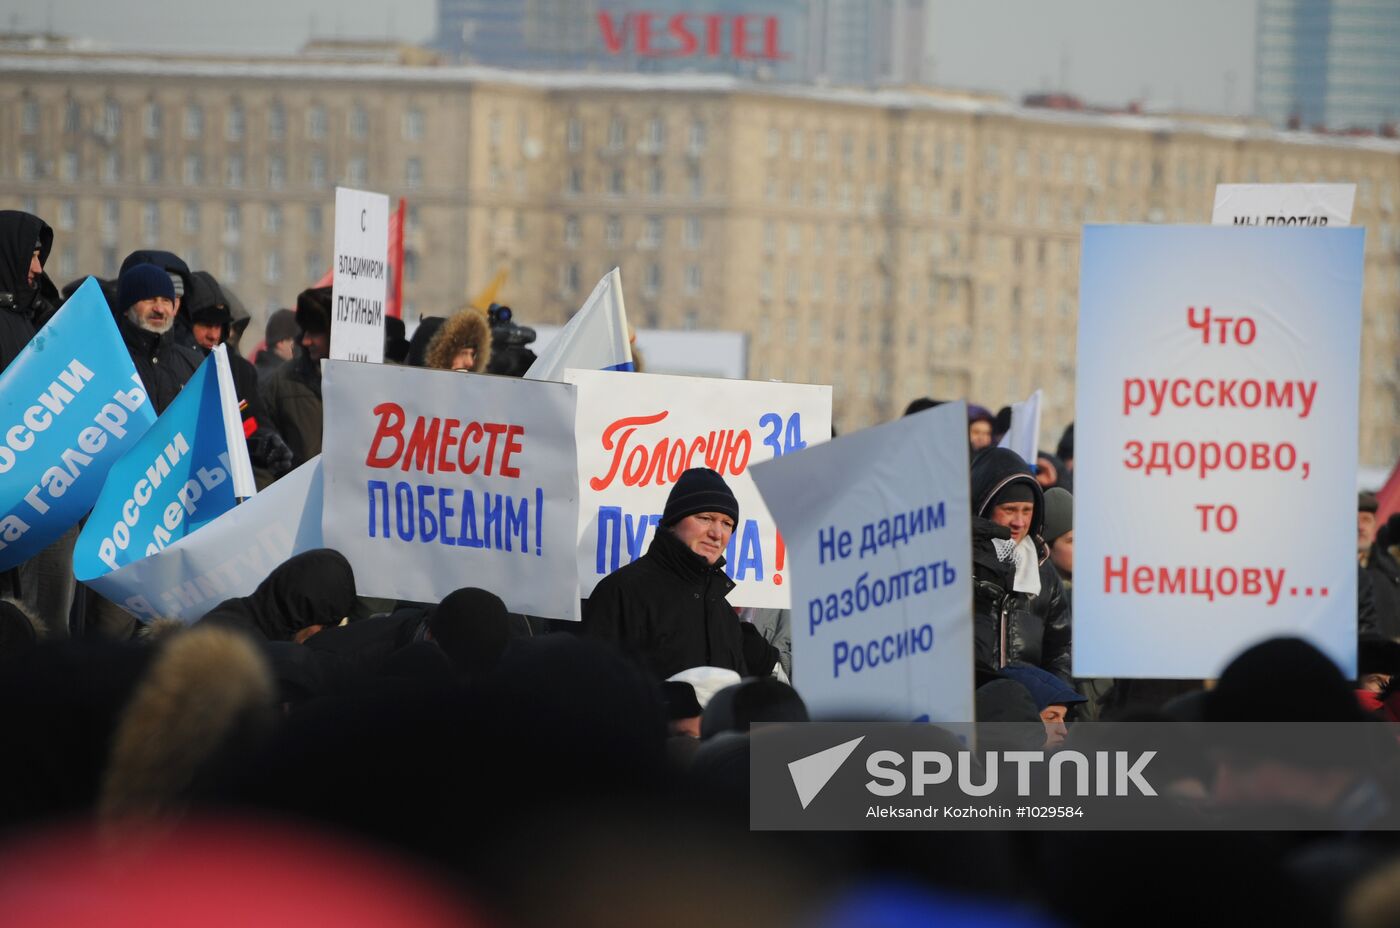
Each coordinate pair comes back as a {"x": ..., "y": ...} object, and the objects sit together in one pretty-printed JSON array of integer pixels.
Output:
[
  {"x": 1378, "y": 552},
  {"x": 180, "y": 279},
  {"x": 27, "y": 296},
  {"x": 306, "y": 593},
  {"x": 292, "y": 395},
  {"x": 1021, "y": 612},
  {"x": 668, "y": 607},
  {"x": 146, "y": 318},
  {"x": 211, "y": 322}
]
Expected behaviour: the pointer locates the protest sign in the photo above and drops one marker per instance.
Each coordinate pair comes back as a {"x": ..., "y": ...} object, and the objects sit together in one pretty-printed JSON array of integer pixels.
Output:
[
  {"x": 1024, "y": 435},
  {"x": 1215, "y": 441},
  {"x": 596, "y": 338},
  {"x": 359, "y": 279},
  {"x": 878, "y": 533},
  {"x": 438, "y": 480},
  {"x": 1283, "y": 204},
  {"x": 228, "y": 557},
  {"x": 188, "y": 469},
  {"x": 71, "y": 404},
  {"x": 638, "y": 432}
]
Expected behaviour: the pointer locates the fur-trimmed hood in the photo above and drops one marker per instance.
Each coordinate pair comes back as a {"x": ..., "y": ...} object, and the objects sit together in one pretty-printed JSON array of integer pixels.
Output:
[
  {"x": 467, "y": 328},
  {"x": 208, "y": 692}
]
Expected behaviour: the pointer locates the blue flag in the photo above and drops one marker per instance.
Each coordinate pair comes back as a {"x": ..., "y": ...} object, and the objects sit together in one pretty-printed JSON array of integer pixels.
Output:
[
  {"x": 71, "y": 404},
  {"x": 186, "y": 471}
]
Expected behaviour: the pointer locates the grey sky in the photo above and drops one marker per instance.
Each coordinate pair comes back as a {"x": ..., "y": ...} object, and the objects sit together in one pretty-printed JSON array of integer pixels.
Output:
[{"x": 1175, "y": 53}]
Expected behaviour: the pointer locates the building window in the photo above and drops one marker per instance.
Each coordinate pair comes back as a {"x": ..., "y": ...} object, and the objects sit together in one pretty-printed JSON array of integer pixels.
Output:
[
  {"x": 795, "y": 145},
  {"x": 697, "y": 183},
  {"x": 314, "y": 224},
  {"x": 315, "y": 267},
  {"x": 612, "y": 232},
  {"x": 111, "y": 168},
  {"x": 775, "y": 142},
  {"x": 493, "y": 130},
  {"x": 233, "y": 174},
  {"x": 617, "y": 133},
  {"x": 656, "y": 134},
  {"x": 651, "y": 237},
  {"x": 574, "y": 184},
  {"x": 765, "y": 287},
  {"x": 770, "y": 237},
  {"x": 357, "y": 171},
  {"x": 651, "y": 283},
  {"x": 413, "y": 125},
  {"x": 358, "y": 123},
  {"x": 571, "y": 233},
  {"x": 693, "y": 280},
  {"x": 413, "y": 173},
  {"x": 233, "y": 218},
  {"x": 794, "y": 238},
  {"x": 194, "y": 121},
  {"x": 568, "y": 279},
  {"x": 152, "y": 167},
  {"x": 819, "y": 146},
  {"x": 410, "y": 265},
  {"x": 190, "y": 217},
  {"x": 111, "y": 215},
  {"x": 150, "y": 222},
  {"x": 696, "y": 143},
  {"x": 694, "y": 232},
  {"x": 277, "y": 122},
  {"x": 72, "y": 118},
  {"x": 656, "y": 181},
  {"x": 272, "y": 219},
  {"x": 67, "y": 262},
  {"x": 574, "y": 134},
  {"x": 272, "y": 267},
  {"x": 151, "y": 120},
  {"x": 316, "y": 122},
  {"x": 276, "y": 172},
  {"x": 617, "y": 185},
  {"x": 67, "y": 213},
  {"x": 111, "y": 122},
  {"x": 29, "y": 118},
  {"x": 68, "y": 167},
  {"x": 234, "y": 123},
  {"x": 317, "y": 171},
  {"x": 232, "y": 266}
]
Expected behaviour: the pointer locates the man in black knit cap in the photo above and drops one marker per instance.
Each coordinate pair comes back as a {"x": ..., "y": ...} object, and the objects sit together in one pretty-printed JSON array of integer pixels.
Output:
[{"x": 668, "y": 607}]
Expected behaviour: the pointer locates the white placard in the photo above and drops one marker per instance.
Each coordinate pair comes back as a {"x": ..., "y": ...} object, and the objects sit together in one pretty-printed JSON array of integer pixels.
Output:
[
  {"x": 638, "y": 432},
  {"x": 1215, "y": 445},
  {"x": 1024, "y": 435},
  {"x": 228, "y": 557},
  {"x": 1283, "y": 204},
  {"x": 437, "y": 480},
  {"x": 360, "y": 283},
  {"x": 878, "y": 528}
]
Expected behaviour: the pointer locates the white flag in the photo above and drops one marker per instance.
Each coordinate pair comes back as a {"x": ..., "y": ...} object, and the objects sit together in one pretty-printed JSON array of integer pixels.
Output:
[
  {"x": 1024, "y": 435},
  {"x": 595, "y": 338}
]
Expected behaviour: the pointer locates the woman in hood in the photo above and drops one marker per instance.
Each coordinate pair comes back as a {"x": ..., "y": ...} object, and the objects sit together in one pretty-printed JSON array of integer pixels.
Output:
[{"x": 463, "y": 343}]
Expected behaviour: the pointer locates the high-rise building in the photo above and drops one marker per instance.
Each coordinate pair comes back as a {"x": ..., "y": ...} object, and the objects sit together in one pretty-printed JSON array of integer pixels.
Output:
[
  {"x": 845, "y": 42},
  {"x": 893, "y": 244},
  {"x": 1333, "y": 64}
]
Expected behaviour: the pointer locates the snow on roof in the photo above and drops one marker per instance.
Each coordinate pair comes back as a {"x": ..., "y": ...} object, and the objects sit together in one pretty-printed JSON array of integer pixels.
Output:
[{"x": 447, "y": 76}]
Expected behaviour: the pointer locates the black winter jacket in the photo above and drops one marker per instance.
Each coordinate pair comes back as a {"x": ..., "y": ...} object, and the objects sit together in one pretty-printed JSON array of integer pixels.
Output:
[
  {"x": 23, "y": 309},
  {"x": 668, "y": 608},
  {"x": 165, "y": 366},
  {"x": 1010, "y": 626}
]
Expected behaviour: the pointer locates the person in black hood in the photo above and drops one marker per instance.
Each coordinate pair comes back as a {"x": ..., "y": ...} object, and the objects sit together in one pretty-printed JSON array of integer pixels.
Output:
[
  {"x": 211, "y": 322},
  {"x": 306, "y": 593},
  {"x": 292, "y": 395},
  {"x": 146, "y": 318},
  {"x": 27, "y": 297},
  {"x": 668, "y": 607},
  {"x": 1029, "y": 619}
]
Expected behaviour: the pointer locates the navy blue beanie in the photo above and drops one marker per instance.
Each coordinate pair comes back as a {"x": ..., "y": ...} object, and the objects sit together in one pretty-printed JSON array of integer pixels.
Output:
[
  {"x": 1045, "y": 688},
  {"x": 143, "y": 282},
  {"x": 699, "y": 490}
]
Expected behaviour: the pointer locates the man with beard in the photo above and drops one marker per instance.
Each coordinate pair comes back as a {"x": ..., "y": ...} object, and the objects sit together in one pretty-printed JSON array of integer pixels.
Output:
[{"x": 146, "y": 317}]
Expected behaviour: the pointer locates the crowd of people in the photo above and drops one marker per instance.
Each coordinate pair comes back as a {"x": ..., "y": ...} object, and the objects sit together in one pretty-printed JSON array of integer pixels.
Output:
[{"x": 336, "y": 757}]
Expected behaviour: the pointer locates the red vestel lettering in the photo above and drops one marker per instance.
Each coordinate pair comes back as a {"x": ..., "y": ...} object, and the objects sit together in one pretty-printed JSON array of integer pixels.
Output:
[
  {"x": 686, "y": 42},
  {"x": 612, "y": 38}
]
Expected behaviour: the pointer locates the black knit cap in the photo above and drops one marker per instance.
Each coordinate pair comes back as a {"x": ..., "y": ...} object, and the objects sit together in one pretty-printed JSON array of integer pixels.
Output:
[{"x": 699, "y": 490}]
